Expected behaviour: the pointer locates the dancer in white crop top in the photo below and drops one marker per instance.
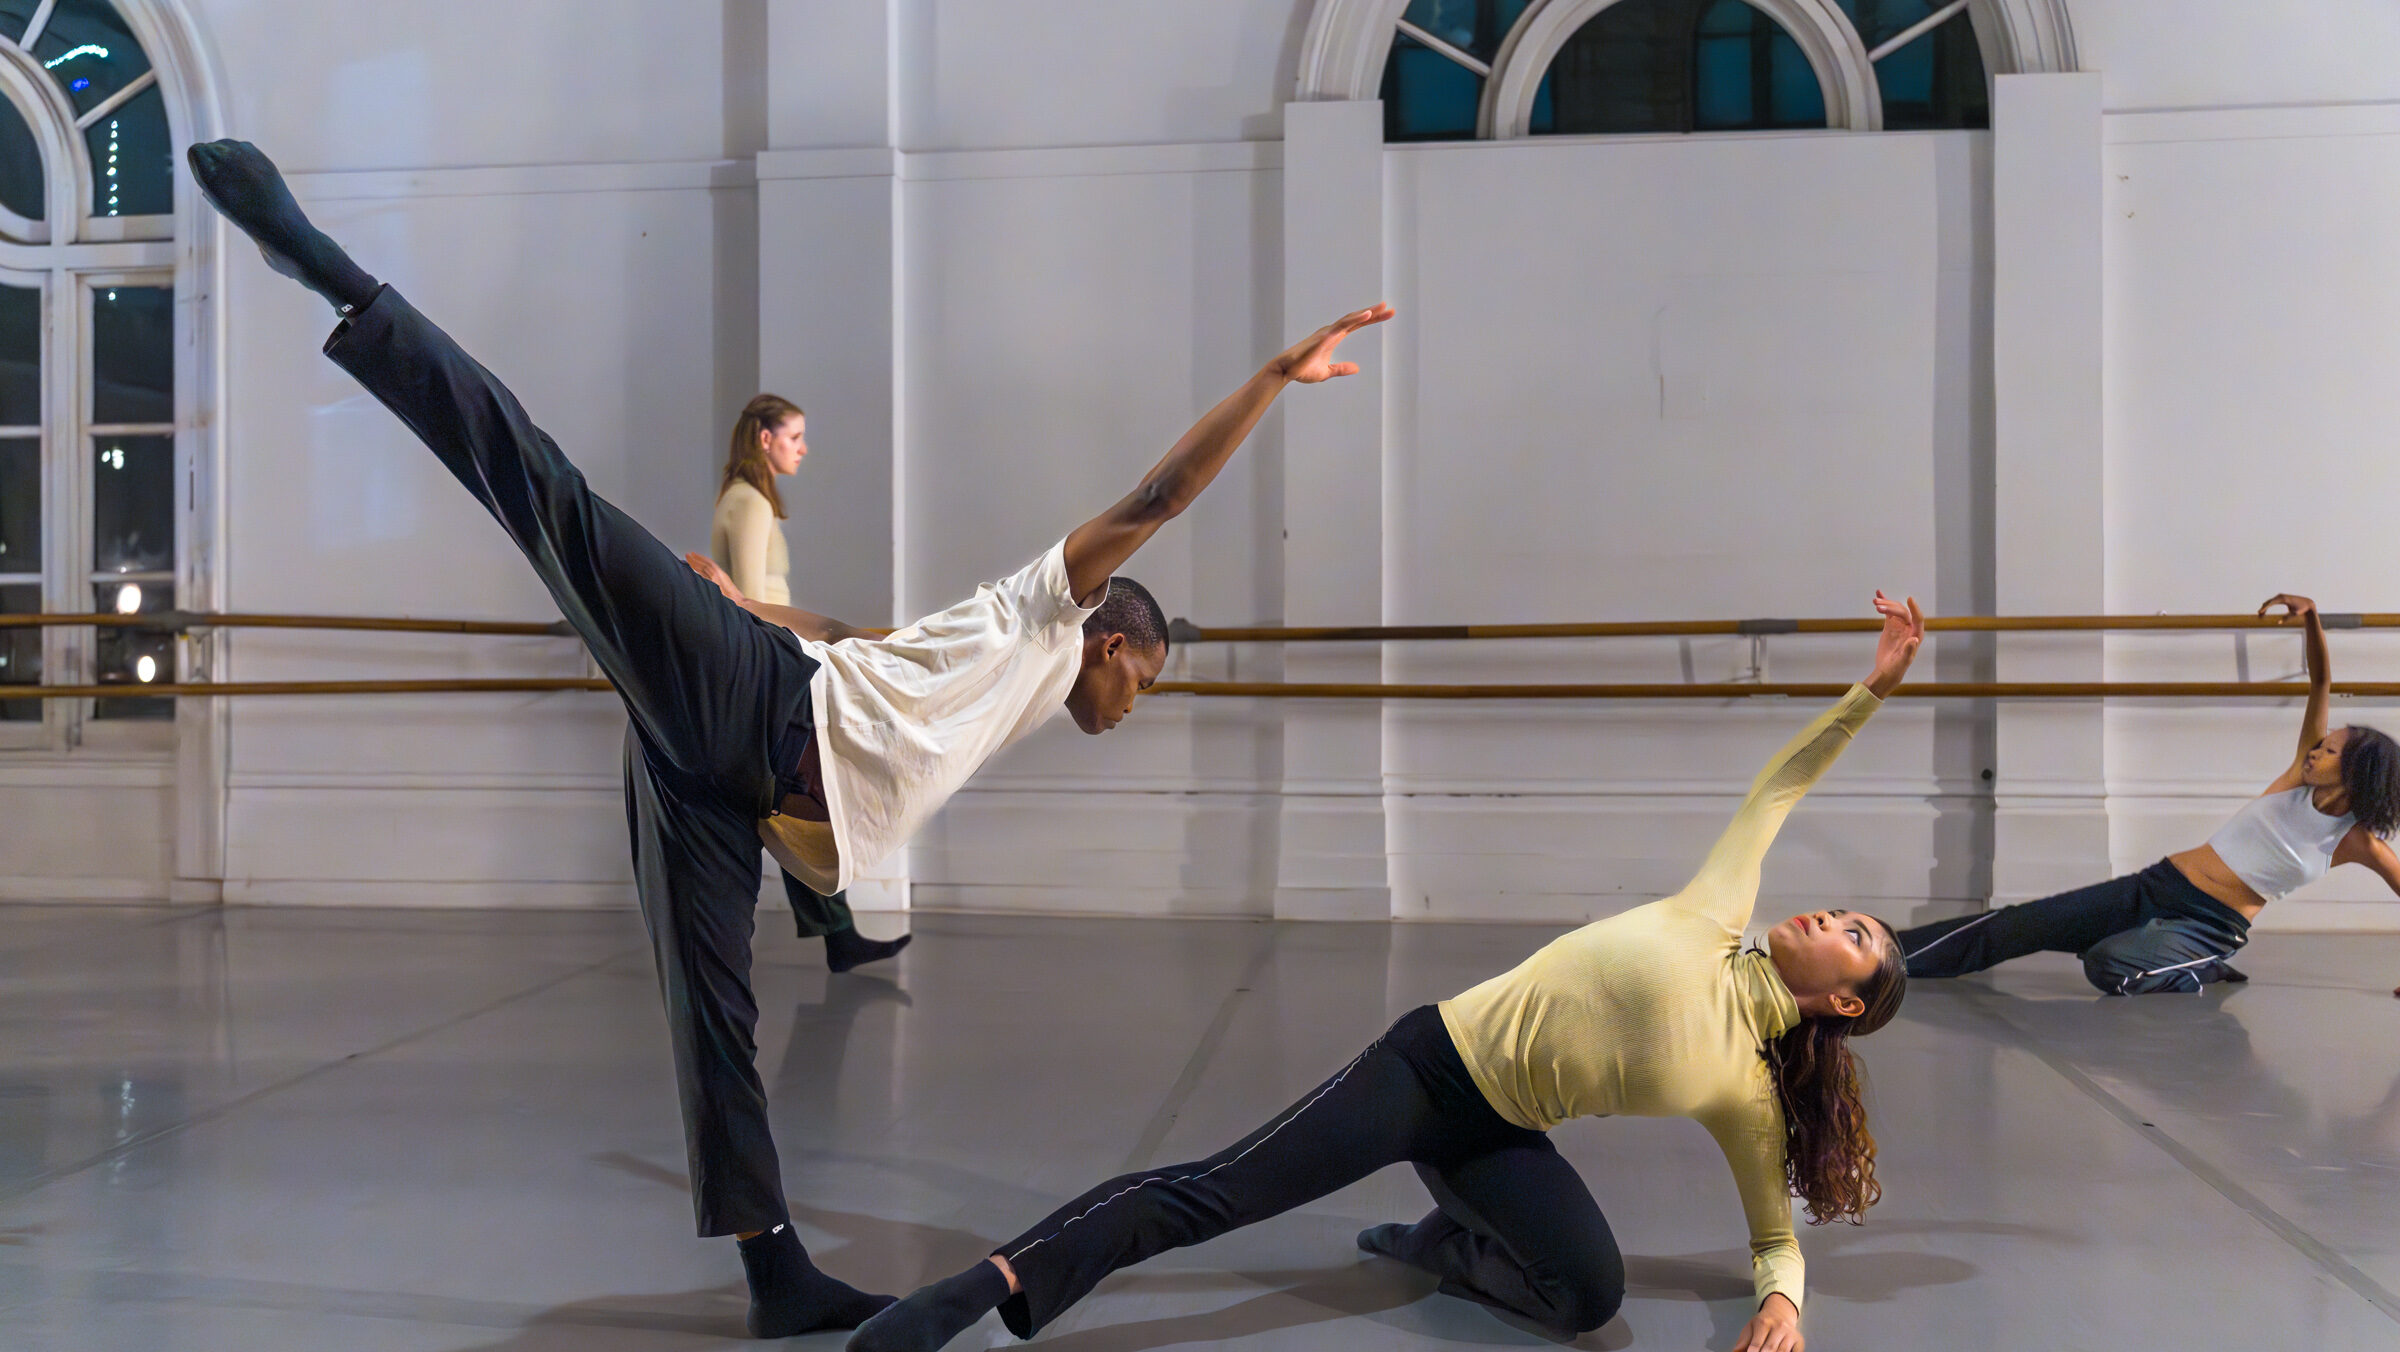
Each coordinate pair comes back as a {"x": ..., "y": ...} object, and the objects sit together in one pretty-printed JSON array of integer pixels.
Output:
[{"x": 2172, "y": 926}]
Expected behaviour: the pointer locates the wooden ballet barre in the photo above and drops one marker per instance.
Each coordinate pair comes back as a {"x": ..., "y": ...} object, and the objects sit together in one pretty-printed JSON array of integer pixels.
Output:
[
  {"x": 520, "y": 685},
  {"x": 184, "y": 621},
  {"x": 1784, "y": 689},
  {"x": 501, "y": 685},
  {"x": 1184, "y": 631}
]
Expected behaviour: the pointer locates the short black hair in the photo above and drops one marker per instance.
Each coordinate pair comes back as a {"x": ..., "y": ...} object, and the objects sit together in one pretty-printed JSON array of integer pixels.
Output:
[
  {"x": 1131, "y": 610},
  {"x": 2371, "y": 776}
]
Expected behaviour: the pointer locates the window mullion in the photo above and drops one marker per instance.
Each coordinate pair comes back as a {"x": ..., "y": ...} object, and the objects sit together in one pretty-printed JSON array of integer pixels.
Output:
[{"x": 64, "y": 649}]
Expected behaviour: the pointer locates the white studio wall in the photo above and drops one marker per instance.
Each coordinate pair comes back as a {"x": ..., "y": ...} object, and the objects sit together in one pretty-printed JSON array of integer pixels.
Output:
[
  {"x": 2127, "y": 350},
  {"x": 566, "y": 216}
]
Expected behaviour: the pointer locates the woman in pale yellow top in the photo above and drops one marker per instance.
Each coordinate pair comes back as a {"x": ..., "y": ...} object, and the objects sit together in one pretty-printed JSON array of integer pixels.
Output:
[
  {"x": 1658, "y": 1012},
  {"x": 770, "y": 439}
]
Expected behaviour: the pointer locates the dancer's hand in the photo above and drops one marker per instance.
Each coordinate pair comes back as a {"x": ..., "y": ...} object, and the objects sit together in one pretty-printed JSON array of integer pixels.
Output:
[
  {"x": 2294, "y": 607},
  {"x": 1311, "y": 359},
  {"x": 1903, "y": 630},
  {"x": 707, "y": 568},
  {"x": 1775, "y": 1328}
]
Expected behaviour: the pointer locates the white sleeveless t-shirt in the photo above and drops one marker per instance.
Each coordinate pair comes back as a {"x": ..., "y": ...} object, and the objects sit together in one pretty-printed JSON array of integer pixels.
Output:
[{"x": 2279, "y": 841}]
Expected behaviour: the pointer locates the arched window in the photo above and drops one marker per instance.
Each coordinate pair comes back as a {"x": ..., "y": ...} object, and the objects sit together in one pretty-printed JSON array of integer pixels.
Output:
[
  {"x": 1464, "y": 68},
  {"x": 88, "y": 465}
]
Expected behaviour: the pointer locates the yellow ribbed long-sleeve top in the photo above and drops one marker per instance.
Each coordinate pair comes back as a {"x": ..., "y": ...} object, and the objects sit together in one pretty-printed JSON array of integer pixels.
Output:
[{"x": 1659, "y": 1012}]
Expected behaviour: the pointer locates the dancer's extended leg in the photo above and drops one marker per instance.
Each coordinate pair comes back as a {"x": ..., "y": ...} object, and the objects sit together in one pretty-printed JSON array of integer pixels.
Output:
[
  {"x": 710, "y": 687},
  {"x": 2067, "y": 923},
  {"x": 711, "y": 693},
  {"x": 1407, "y": 1097}
]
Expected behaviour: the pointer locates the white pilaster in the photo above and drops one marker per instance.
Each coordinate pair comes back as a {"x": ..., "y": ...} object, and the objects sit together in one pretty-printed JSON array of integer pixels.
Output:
[
  {"x": 830, "y": 332},
  {"x": 1332, "y": 862},
  {"x": 2051, "y": 818}
]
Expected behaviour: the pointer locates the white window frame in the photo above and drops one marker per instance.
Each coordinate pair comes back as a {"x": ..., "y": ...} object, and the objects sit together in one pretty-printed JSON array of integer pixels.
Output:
[
  {"x": 67, "y": 256},
  {"x": 1349, "y": 42}
]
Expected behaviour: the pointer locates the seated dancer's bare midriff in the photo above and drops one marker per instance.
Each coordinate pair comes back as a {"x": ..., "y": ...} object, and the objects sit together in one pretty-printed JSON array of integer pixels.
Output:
[{"x": 2207, "y": 870}]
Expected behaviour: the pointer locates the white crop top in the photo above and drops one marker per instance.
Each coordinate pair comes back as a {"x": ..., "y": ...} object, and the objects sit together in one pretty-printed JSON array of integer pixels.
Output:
[{"x": 2279, "y": 841}]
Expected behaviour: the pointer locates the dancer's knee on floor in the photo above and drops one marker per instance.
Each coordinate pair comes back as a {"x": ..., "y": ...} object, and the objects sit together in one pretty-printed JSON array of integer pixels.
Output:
[{"x": 1586, "y": 1298}]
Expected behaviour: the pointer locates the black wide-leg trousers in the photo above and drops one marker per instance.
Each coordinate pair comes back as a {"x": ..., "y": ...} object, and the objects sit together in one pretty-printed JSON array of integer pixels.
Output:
[
  {"x": 2141, "y": 934},
  {"x": 816, "y": 914},
  {"x": 714, "y": 698},
  {"x": 1516, "y": 1227}
]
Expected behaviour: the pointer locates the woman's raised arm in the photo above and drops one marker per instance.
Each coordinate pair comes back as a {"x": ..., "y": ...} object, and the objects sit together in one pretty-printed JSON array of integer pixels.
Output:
[{"x": 2320, "y": 681}]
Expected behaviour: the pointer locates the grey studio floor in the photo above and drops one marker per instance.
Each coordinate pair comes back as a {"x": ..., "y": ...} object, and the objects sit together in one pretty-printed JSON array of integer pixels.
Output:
[{"x": 366, "y": 1130}]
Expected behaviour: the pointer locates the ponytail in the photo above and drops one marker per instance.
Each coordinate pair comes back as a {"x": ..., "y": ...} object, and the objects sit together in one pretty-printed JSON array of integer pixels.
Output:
[{"x": 746, "y": 459}]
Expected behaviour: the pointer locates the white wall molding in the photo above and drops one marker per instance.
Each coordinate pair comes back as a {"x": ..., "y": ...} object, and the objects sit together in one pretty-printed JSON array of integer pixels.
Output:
[
  {"x": 85, "y": 772},
  {"x": 518, "y": 180},
  {"x": 405, "y": 781},
  {"x": 779, "y": 166},
  {"x": 2275, "y": 122},
  {"x": 1210, "y": 157}
]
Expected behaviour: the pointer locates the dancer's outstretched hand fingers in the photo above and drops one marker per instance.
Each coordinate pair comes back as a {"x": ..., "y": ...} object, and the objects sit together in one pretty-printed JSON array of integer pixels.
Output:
[
  {"x": 1310, "y": 360},
  {"x": 707, "y": 568}
]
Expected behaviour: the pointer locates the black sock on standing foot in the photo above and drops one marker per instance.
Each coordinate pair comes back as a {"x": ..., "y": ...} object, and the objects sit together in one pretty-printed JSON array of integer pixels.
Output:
[
  {"x": 929, "y": 1317},
  {"x": 845, "y": 949},
  {"x": 244, "y": 184},
  {"x": 789, "y": 1296}
]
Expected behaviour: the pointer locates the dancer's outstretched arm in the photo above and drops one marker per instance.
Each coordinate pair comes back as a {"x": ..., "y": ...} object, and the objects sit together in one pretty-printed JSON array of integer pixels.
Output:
[
  {"x": 2320, "y": 682},
  {"x": 1726, "y": 887},
  {"x": 806, "y": 623},
  {"x": 1100, "y": 546}
]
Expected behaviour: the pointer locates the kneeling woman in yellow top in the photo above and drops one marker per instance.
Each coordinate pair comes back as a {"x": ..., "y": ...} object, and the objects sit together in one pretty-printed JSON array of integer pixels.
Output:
[{"x": 1658, "y": 1012}]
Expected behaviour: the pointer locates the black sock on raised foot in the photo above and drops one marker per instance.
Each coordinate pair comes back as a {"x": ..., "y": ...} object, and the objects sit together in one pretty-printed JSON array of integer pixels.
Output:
[
  {"x": 931, "y": 1316},
  {"x": 789, "y": 1296},
  {"x": 845, "y": 949},
  {"x": 240, "y": 181}
]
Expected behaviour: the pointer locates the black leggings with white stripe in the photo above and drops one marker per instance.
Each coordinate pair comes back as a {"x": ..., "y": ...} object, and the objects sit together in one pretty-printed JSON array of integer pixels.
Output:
[
  {"x": 2143, "y": 933},
  {"x": 1514, "y": 1226}
]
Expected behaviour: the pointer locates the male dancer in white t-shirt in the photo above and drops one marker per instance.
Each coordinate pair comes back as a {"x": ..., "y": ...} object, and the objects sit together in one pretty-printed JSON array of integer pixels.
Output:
[{"x": 833, "y": 751}]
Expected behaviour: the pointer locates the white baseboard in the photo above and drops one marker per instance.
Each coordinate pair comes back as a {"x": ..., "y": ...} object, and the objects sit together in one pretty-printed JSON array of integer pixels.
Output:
[
  {"x": 156, "y": 891},
  {"x": 445, "y": 895},
  {"x": 1021, "y": 899},
  {"x": 1333, "y": 903}
]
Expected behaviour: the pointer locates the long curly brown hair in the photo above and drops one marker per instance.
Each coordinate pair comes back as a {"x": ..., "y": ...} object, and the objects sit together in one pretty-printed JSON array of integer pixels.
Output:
[{"x": 1828, "y": 1153}]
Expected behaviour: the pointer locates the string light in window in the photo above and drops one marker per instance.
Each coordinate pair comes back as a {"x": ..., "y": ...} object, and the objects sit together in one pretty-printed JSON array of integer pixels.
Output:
[
  {"x": 112, "y": 173},
  {"x": 87, "y": 49},
  {"x": 113, "y": 457},
  {"x": 129, "y": 599},
  {"x": 146, "y": 670}
]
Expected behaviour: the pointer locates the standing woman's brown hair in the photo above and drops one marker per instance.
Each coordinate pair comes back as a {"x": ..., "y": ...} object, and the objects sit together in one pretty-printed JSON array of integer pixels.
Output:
[{"x": 746, "y": 458}]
